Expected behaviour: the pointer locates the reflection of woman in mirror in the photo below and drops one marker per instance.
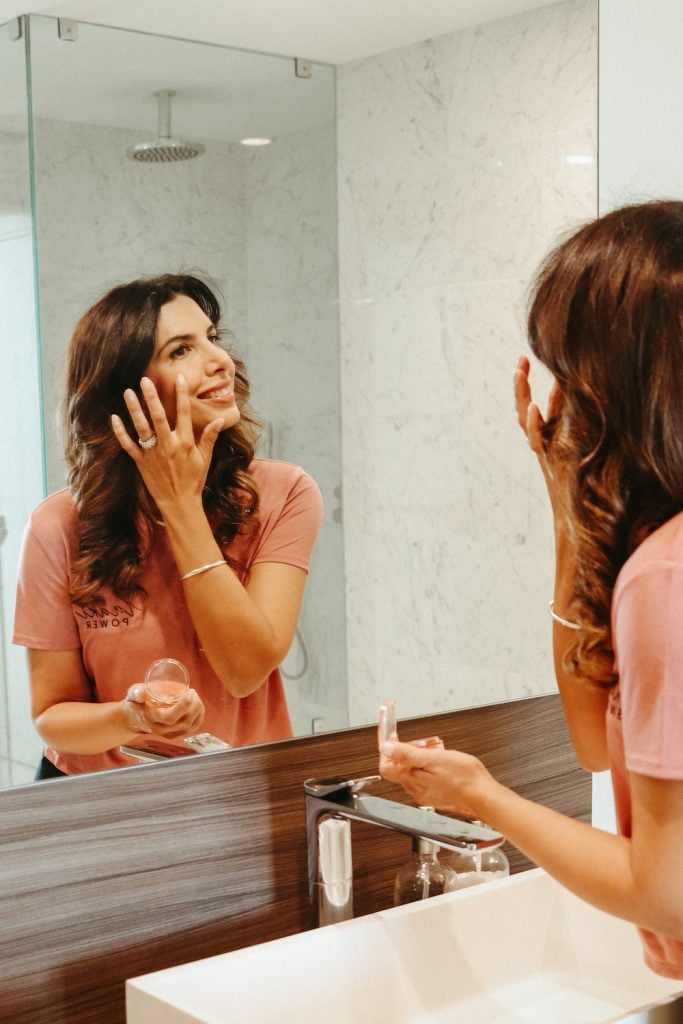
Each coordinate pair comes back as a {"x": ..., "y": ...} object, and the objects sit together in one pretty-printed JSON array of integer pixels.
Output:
[
  {"x": 172, "y": 539},
  {"x": 607, "y": 321}
]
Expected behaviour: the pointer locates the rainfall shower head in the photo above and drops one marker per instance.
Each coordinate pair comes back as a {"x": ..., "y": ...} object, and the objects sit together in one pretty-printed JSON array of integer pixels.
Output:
[{"x": 164, "y": 149}]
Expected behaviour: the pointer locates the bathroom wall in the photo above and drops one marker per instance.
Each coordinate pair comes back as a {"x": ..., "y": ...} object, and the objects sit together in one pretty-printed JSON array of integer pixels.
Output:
[
  {"x": 460, "y": 160},
  {"x": 262, "y": 223},
  {"x": 292, "y": 287},
  {"x": 641, "y": 152}
]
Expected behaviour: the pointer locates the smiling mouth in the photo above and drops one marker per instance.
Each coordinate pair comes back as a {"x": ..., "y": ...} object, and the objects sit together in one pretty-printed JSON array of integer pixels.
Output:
[{"x": 222, "y": 392}]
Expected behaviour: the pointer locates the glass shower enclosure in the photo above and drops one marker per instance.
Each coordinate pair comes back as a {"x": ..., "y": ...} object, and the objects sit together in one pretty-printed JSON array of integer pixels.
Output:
[{"x": 237, "y": 182}]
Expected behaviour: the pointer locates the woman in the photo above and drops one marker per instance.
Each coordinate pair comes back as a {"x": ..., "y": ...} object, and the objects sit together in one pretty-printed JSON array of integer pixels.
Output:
[
  {"x": 172, "y": 540},
  {"x": 607, "y": 321}
]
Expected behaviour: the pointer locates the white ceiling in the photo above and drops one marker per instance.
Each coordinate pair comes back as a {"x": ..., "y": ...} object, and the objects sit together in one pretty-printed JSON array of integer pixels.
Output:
[
  {"x": 329, "y": 31},
  {"x": 108, "y": 78}
]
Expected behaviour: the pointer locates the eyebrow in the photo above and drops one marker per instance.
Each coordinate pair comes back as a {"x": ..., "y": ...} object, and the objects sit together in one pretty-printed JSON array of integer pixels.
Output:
[{"x": 183, "y": 337}]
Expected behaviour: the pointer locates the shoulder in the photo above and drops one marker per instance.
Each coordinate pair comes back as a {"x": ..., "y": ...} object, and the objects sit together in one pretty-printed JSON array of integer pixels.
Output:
[
  {"x": 652, "y": 576},
  {"x": 290, "y": 513},
  {"x": 55, "y": 513},
  {"x": 661, "y": 551},
  {"x": 51, "y": 533},
  {"x": 279, "y": 480}
]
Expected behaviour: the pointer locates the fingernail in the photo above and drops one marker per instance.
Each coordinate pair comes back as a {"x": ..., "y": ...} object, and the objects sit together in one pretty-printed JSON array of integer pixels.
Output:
[
  {"x": 145, "y": 383},
  {"x": 180, "y": 379},
  {"x": 388, "y": 749}
]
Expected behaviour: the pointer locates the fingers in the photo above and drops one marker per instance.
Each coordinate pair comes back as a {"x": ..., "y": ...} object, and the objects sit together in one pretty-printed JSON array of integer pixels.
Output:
[
  {"x": 430, "y": 742},
  {"x": 534, "y": 427},
  {"x": 157, "y": 413},
  {"x": 407, "y": 755},
  {"x": 124, "y": 438},
  {"x": 140, "y": 420},
  {"x": 153, "y": 420},
  {"x": 133, "y": 708},
  {"x": 529, "y": 415},
  {"x": 209, "y": 436},
  {"x": 183, "y": 718},
  {"x": 178, "y": 719},
  {"x": 183, "y": 422},
  {"x": 522, "y": 390}
]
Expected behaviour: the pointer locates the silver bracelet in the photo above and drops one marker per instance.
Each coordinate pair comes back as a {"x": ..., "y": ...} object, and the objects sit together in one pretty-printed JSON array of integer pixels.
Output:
[
  {"x": 203, "y": 568},
  {"x": 558, "y": 618}
]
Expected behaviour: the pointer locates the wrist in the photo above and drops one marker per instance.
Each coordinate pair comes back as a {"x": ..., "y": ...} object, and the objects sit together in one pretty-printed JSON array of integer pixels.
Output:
[
  {"x": 181, "y": 510},
  {"x": 490, "y": 801}
]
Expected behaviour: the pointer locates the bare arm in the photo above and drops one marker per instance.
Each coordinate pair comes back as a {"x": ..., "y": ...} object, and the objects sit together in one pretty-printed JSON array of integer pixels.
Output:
[
  {"x": 244, "y": 631},
  {"x": 67, "y": 720},
  {"x": 584, "y": 704},
  {"x": 638, "y": 879}
]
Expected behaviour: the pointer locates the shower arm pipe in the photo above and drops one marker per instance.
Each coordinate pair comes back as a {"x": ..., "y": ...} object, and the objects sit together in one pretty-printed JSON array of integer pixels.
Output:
[{"x": 164, "y": 96}]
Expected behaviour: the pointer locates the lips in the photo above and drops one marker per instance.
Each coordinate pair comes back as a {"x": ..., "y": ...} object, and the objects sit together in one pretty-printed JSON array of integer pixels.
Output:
[{"x": 216, "y": 392}]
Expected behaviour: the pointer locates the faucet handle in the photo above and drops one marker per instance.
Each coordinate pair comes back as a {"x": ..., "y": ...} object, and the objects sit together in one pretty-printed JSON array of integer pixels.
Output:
[{"x": 337, "y": 784}]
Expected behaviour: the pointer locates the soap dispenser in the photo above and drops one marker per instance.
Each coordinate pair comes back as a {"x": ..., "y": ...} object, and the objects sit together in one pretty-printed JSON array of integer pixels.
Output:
[
  {"x": 477, "y": 866},
  {"x": 424, "y": 876}
]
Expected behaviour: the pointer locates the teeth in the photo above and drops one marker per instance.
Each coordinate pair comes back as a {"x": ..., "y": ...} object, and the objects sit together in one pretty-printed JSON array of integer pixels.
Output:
[{"x": 219, "y": 393}]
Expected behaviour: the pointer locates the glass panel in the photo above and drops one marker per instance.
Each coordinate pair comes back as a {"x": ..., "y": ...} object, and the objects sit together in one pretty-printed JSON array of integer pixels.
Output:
[
  {"x": 21, "y": 434},
  {"x": 260, "y": 221}
]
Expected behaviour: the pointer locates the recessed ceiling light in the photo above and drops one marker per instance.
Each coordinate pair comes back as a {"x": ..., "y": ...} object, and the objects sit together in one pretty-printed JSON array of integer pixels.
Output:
[
  {"x": 256, "y": 142},
  {"x": 580, "y": 158}
]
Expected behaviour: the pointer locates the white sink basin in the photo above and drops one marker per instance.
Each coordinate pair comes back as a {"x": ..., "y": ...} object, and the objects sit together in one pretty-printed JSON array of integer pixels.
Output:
[{"x": 520, "y": 950}]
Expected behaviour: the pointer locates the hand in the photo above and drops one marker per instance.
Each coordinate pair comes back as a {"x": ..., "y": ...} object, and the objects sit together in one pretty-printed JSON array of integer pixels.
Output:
[
  {"x": 434, "y": 777},
  {"x": 183, "y": 718},
  {"x": 177, "y": 466},
  {"x": 532, "y": 423}
]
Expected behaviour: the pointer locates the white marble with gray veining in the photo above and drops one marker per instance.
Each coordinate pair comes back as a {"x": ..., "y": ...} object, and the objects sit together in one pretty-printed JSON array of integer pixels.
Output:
[{"x": 461, "y": 160}]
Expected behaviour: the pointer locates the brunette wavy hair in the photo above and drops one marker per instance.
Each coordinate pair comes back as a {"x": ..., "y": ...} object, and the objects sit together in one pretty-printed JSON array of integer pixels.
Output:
[
  {"x": 110, "y": 350},
  {"x": 606, "y": 318}
]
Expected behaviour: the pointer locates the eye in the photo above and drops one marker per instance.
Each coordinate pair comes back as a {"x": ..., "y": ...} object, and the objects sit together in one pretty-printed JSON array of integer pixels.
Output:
[{"x": 179, "y": 351}]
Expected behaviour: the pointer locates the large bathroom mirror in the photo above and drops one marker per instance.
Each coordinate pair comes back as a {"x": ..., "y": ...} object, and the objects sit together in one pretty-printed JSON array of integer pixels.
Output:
[{"x": 374, "y": 258}]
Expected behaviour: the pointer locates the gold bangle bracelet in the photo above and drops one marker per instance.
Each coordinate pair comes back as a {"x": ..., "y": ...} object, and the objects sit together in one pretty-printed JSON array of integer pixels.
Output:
[{"x": 558, "y": 618}]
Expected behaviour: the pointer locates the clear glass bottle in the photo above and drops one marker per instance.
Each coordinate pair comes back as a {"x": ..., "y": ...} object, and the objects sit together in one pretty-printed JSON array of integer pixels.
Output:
[
  {"x": 424, "y": 876},
  {"x": 474, "y": 867}
]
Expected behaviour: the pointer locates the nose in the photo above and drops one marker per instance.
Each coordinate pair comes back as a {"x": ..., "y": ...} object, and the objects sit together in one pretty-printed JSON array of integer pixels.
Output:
[{"x": 218, "y": 359}]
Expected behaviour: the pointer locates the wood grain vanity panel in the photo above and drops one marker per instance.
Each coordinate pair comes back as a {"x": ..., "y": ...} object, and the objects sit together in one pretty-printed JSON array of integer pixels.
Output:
[{"x": 113, "y": 875}]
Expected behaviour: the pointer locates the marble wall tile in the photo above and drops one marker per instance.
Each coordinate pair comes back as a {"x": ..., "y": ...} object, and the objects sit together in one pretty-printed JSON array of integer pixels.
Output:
[
  {"x": 103, "y": 219},
  {"x": 523, "y": 77},
  {"x": 292, "y": 274},
  {"x": 461, "y": 160},
  {"x": 484, "y": 215}
]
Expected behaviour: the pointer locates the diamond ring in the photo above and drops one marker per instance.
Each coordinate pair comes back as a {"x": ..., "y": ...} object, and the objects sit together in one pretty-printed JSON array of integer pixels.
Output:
[{"x": 148, "y": 442}]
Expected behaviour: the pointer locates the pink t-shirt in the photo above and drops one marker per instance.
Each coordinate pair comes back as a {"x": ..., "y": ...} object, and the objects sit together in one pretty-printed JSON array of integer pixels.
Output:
[
  {"x": 121, "y": 638},
  {"x": 645, "y": 710}
]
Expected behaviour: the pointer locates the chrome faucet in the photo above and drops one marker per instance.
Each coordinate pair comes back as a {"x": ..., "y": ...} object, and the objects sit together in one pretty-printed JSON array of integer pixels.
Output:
[{"x": 345, "y": 801}]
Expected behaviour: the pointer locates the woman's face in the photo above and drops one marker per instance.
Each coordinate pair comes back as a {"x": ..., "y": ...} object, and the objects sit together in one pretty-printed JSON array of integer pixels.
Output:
[{"x": 187, "y": 343}]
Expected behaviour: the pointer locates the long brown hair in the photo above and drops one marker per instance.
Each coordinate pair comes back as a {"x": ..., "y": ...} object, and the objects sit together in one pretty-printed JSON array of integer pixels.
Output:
[
  {"x": 606, "y": 318},
  {"x": 110, "y": 350}
]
